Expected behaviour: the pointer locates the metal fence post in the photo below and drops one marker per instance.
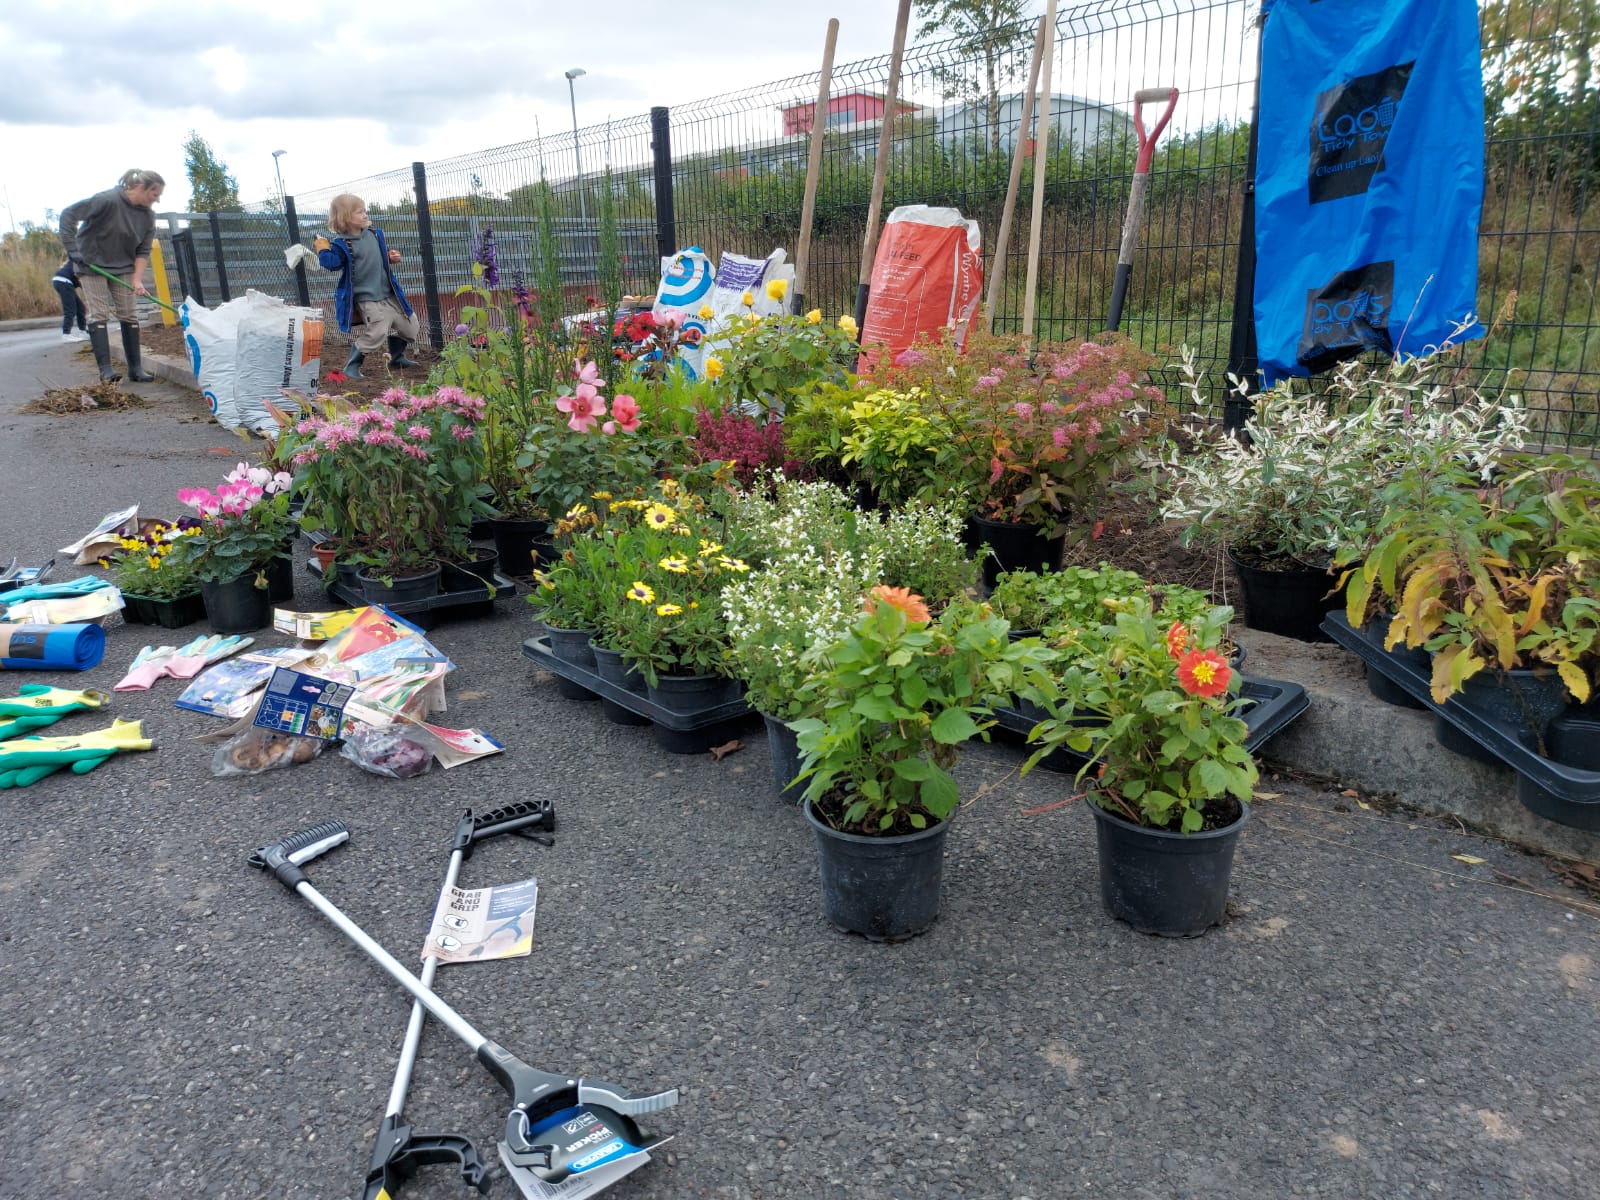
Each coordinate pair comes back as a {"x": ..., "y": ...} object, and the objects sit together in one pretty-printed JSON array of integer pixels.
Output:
[
  {"x": 188, "y": 264},
  {"x": 216, "y": 249},
  {"x": 666, "y": 220},
  {"x": 1242, "y": 353},
  {"x": 300, "y": 286},
  {"x": 430, "y": 270}
]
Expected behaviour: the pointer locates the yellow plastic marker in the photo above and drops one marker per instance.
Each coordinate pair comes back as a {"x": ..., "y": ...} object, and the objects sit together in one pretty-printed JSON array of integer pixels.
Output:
[{"x": 158, "y": 264}]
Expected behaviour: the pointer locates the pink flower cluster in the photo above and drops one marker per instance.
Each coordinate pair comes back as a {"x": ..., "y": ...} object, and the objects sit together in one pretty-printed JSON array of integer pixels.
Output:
[
  {"x": 585, "y": 406},
  {"x": 396, "y": 419},
  {"x": 245, "y": 487}
]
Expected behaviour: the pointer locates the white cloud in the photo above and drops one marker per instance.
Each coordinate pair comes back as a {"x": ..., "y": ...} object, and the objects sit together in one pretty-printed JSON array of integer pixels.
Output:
[{"x": 91, "y": 95}]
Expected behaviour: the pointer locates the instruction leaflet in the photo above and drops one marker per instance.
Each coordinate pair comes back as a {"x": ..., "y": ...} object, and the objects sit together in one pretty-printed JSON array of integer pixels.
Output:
[
  {"x": 482, "y": 923},
  {"x": 303, "y": 705}
]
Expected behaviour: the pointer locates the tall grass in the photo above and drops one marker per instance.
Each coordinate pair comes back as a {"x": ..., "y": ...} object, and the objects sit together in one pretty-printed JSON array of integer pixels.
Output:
[{"x": 25, "y": 270}]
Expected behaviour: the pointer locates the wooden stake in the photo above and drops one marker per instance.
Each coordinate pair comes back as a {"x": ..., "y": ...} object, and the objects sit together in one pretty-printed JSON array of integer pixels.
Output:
[
  {"x": 869, "y": 245},
  {"x": 1041, "y": 153},
  {"x": 997, "y": 260},
  {"x": 808, "y": 206}
]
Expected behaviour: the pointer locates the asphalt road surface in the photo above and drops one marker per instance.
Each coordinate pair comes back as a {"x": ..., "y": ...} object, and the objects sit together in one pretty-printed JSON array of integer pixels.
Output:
[{"x": 1379, "y": 1018}]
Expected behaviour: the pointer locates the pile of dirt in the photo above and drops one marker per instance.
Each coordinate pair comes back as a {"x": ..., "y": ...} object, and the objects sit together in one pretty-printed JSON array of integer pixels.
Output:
[
  {"x": 1126, "y": 532},
  {"x": 104, "y": 396},
  {"x": 377, "y": 376}
]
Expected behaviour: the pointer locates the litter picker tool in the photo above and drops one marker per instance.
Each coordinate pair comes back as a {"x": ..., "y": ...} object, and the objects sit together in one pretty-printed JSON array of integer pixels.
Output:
[
  {"x": 118, "y": 279},
  {"x": 880, "y": 171},
  {"x": 1019, "y": 151},
  {"x": 808, "y": 205},
  {"x": 1141, "y": 181},
  {"x": 399, "y": 1150},
  {"x": 559, "y": 1126}
]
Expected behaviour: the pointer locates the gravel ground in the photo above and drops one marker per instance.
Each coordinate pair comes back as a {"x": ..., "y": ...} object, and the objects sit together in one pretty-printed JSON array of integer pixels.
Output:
[{"x": 1378, "y": 1018}]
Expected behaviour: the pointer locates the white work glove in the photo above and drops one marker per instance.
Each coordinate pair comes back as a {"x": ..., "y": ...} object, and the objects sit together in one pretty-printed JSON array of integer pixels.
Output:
[{"x": 297, "y": 254}]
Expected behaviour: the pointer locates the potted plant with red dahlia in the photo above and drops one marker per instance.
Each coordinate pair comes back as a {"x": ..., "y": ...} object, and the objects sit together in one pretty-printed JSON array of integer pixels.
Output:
[{"x": 1167, "y": 772}]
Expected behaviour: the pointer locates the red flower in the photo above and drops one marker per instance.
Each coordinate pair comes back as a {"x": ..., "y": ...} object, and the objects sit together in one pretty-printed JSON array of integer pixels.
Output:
[
  {"x": 333, "y": 377},
  {"x": 1177, "y": 639},
  {"x": 1204, "y": 673}
]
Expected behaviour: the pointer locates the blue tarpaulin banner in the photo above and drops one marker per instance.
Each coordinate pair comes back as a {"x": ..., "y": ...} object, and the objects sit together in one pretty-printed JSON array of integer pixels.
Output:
[{"x": 1369, "y": 180}]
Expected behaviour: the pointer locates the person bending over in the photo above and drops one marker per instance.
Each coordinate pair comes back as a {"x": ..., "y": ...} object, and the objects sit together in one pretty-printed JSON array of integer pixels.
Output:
[{"x": 111, "y": 230}]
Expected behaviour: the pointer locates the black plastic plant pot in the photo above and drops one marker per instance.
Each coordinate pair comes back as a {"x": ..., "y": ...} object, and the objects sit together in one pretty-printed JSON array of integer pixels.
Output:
[
  {"x": 236, "y": 605},
  {"x": 1573, "y": 742},
  {"x": 573, "y": 646},
  {"x": 173, "y": 613},
  {"x": 399, "y": 589},
  {"x": 1015, "y": 546},
  {"x": 609, "y": 666},
  {"x": 685, "y": 694},
  {"x": 1167, "y": 884},
  {"x": 1378, "y": 683},
  {"x": 1290, "y": 604},
  {"x": 280, "y": 579},
  {"x": 513, "y": 542},
  {"x": 784, "y": 746},
  {"x": 887, "y": 889}
]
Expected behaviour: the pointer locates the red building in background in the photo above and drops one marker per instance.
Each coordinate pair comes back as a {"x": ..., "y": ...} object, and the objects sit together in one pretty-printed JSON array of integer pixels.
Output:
[{"x": 849, "y": 109}]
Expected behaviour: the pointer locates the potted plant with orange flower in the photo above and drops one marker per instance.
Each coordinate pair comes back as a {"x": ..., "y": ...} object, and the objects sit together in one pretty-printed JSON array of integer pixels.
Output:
[
  {"x": 1169, "y": 776},
  {"x": 898, "y": 695}
]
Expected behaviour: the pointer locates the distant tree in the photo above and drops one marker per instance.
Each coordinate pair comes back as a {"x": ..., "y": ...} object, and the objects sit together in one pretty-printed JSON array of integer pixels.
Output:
[
  {"x": 210, "y": 185},
  {"x": 992, "y": 32}
]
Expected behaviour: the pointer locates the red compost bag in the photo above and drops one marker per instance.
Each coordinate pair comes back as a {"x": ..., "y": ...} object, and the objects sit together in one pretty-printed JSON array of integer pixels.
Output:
[{"x": 926, "y": 278}]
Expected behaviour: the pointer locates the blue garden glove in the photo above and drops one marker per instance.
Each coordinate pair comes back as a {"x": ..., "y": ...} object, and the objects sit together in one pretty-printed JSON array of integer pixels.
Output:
[
  {"x": 80, "y": 586},
  {"x": 28, "y": 760},
  {"x": 40, "y": 705}
]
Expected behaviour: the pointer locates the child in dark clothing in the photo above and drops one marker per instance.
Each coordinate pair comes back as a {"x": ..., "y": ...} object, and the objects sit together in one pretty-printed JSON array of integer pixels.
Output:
[
  {"x": 368, "y": 302},
  {"x": 66, "y": 284}
]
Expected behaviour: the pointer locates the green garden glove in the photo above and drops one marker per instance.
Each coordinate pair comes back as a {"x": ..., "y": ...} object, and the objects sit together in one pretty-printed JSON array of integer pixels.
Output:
[
  {"x": 40, "y": 705},
  {"x": 28, "y": 760}
]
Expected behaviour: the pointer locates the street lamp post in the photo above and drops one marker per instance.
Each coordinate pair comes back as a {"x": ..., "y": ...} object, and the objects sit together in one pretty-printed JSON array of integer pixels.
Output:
[{"x": 577, "y": 155}]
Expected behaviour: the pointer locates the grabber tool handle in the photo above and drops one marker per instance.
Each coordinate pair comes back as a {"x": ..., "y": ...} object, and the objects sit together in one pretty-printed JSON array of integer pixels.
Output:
[
  {"x": 513, "y": 818},
  {"x": 283, "y": 857}
]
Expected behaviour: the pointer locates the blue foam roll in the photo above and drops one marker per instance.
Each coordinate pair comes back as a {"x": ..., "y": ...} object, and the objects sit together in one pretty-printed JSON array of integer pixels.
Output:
[{"x": 51, "y": 647}]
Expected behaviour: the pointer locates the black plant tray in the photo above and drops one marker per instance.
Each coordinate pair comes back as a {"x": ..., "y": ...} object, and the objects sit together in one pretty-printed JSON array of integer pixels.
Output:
[
  {"x": 461, "y": 594},
  {"x": 538, "y": 650},
  {"x": 1559, "y": 793},
  {"x": 1274, "y": 705}
]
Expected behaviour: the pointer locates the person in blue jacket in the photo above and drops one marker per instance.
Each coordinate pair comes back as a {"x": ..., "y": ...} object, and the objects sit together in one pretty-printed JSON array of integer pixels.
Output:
[{"x": 368, "y": 302}]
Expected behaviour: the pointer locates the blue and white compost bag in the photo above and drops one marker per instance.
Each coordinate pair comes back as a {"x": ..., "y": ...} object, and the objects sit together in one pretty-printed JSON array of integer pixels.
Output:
[{"x": 1369, "y": 180}]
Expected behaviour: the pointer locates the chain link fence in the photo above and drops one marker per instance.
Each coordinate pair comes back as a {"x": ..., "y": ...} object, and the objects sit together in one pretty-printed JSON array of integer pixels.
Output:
[{"x": 728, "y": 173}]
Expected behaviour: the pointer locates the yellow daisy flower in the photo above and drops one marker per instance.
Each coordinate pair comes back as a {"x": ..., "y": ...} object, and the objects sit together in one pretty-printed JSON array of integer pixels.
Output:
[
  {"x": 709, "y": 548},
  {"x": 659, "y": 516},
  {"x": 814, "y": 317},
  {"x": 669, "y": 487},
  {"x": 668, "y": 610},
  {"x": 678, "y": 566},
  {"x": 577, "y": 510},
  {"x": 600, "y": 496},
  {"x": 641, "y": 592},
  {"x": 732, "y": 564}
]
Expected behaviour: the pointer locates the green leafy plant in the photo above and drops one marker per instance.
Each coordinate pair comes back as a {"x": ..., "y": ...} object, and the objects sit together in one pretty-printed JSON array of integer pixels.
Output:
[
  {"x": 1076, "y": 598},
  {"x": 894, "y": 442},
  {"x": 1164, "y": 739},
  {"x": 898, "y": 695},
  {"x": 1495, "y": 575},
  {"x": 762, "y": 361},
  {"x": 1306, "y": 478}
]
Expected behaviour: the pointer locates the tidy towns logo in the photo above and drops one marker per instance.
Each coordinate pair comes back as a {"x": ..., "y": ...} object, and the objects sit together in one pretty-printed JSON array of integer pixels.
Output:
[
  {"x": 1347, "y": 315},
  {"x": 1350, "y": 130}
]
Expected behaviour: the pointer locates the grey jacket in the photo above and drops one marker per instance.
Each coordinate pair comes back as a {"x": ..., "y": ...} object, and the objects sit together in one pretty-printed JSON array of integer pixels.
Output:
[{"x": 106, "y": 231}]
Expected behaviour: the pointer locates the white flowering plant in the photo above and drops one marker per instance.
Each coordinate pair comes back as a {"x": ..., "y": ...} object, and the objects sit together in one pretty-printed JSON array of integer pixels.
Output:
[
  {"x": 1306, "y": 478},
  {"x": 820, "y": 556}
]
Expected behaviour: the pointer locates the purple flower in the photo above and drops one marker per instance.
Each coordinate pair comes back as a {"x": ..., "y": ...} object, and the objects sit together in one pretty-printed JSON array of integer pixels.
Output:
[
  {"x": 462, "y": 331},
  {"x": 519, "y": 289},
  {"x": 483, "y": 253}
]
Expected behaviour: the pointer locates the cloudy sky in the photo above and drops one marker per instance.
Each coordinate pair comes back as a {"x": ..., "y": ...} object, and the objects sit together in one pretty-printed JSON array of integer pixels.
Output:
[{"x": 352, "y": 89}]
